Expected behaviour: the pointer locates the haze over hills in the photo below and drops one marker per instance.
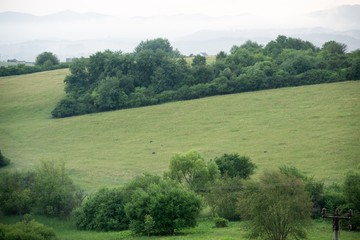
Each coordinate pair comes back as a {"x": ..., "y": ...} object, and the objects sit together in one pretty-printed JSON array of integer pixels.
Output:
[{"x": 71, "y": 34}]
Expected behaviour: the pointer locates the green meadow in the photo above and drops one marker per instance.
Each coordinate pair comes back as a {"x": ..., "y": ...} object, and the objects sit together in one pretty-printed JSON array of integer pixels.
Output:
[{"x": 314, "y": 128}]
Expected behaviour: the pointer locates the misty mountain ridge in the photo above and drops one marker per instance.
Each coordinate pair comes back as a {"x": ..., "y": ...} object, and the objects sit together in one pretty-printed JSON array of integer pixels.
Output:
[
  {"x": 67, "y": 15},
  {"x": 71, "y": 34}
]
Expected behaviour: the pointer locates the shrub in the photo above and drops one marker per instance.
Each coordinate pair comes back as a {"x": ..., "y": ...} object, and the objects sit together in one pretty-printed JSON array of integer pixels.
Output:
[
  {"x": 271, "y": 204},
  {"x": 4, "y": 161},
  {"x": 103, "y": 211},
  {"x": 54, "y": 192},
  {"x": 221, "y": 222},
  {"x": 352, "y": 196},
  {"x": 224, "y": 196},
  {"x": 313, "y": 187},
  {"x": 233, "y": 165},
  {"x": 27, "y": 229},
  {"x": 171, "y": 207},
  {"x": 192, "y": 170},
  {"x": 15, "y": 192}
]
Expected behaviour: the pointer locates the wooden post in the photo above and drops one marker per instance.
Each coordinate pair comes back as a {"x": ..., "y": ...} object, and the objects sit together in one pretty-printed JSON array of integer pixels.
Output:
[{"x": 336, "y": 219}]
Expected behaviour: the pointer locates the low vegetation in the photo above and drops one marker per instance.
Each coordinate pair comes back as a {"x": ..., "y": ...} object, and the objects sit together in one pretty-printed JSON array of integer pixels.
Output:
[
  {"x": 4, "y": 161},
  {"x": 44, "y": 62},
  {"x": 26, "y": 229}
]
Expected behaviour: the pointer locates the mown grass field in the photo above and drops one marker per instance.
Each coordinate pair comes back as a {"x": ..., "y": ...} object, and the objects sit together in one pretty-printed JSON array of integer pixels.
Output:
[{"x": 314, "y": 128}]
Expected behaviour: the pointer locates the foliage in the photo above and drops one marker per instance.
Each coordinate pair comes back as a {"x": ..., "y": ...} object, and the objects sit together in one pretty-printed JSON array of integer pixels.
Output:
[
  {"x": 278, "y": 206},
  {"x": 192, "y": 170},
  {"x": 4, "y": 161},
  {"x": 351, "y": 191},
  {"x": 162, "y": 208},
  {"x": 155, "y": 73},
  {"x": 224, "y": 196},
  {"x": 26, "y": 229},
  {"x": 25, "y": 69},
  {"x": 15, "y": 192},
  {"x": 234, "y": 165},
  {"x": 221, "y": 222},
  {"x": 158, "y": 44},
  {"x": 49, "y": 190},
  {"x": 103, "y": 211},
  {"x": 46, "y": 60},
  {"x": 54, "y": 192},
  {"x": 314, "y": 187}
]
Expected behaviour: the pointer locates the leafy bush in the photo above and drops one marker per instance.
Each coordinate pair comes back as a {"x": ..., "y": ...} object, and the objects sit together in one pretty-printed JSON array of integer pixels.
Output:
[
  {"x": 192, "y": 170},
  {"x": 54, "y": 192},
  {"x": 352, "y": 196},
  {"x": 221, "y": 222},
  {"x": 4, "y": 161},
  {"x": 162, "y": 208},
  {"x": 278, "y": 206},
  {"x": 26, "y": 230},
  {"x": 46, "y": 60},
  {"x": 224, "y": 196},
  {"x": 233, "y": 165},
  {"x": 313, "y": 187},
  {"x": 15, "y": 192},
  {"x": 103, "y": 211}
]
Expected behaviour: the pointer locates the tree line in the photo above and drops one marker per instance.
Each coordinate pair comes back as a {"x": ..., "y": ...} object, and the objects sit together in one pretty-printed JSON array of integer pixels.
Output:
[
  {"x": 156, "y": 73},
  {"x": 44, "y": 62},
  {"x": 279, "y": 204}
]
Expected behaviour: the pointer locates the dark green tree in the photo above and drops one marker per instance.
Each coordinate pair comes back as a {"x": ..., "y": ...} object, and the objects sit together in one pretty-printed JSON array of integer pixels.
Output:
[
  {"x": 109, "y": 95},
  {"x": 4, "y": 161},
  {"x": 198, "y": 61},
  {"x": 156, "y": 45},
  {"x": 234, "y": 165},
  {"x": 162, "y": 208},
  {"x": 15, "y": 192},
  {"x": 103, "y": 211},
  {"x": 333, "y": 47},
  {"x": 47, "y": 60}
]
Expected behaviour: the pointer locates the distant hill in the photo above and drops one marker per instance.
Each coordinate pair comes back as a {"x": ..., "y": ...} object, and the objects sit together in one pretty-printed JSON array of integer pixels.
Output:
[
  {"x": 71, "y": 34},
  {"x": 17, "y": 17},
  {"x": 346, "y": 16}
]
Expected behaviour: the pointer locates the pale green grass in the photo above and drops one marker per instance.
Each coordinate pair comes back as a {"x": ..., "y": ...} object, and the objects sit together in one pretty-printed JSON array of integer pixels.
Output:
[
  {"x": 209, "y": 59},
  {"x": 315, "y": 128}
]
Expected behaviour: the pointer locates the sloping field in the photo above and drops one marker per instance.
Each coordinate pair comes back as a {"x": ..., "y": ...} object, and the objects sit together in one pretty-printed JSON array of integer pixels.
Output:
[{"x": 315, "y": 128}]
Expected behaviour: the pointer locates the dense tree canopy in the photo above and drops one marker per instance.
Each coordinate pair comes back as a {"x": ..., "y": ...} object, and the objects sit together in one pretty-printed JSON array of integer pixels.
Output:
[
  {"x": 156, "y": 73},
  {"x": 47, "y": 59},
  {"x": 234, "y": 165}
]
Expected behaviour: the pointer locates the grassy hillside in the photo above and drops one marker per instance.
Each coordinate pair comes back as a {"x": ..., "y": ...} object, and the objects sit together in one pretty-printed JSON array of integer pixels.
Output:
[{"x": 315, "y": 128}]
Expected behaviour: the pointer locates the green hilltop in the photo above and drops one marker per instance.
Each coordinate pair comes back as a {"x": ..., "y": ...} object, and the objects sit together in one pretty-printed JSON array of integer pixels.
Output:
[{"x": 314, "y": 128}]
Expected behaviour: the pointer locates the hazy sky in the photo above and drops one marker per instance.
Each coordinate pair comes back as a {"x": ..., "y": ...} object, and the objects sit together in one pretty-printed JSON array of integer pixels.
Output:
[{"x": 125, "y": 8}]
